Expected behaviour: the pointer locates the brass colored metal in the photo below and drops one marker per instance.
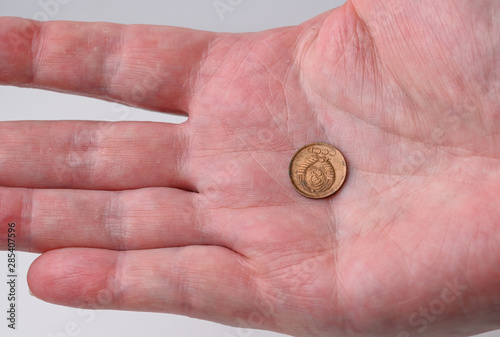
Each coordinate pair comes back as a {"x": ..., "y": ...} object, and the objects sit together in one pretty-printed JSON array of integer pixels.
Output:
[{"x": 317, "y": 170}]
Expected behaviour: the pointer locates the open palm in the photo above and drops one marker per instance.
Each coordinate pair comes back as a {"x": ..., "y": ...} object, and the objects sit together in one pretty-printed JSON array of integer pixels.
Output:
[{"x": 201, "y": 219}]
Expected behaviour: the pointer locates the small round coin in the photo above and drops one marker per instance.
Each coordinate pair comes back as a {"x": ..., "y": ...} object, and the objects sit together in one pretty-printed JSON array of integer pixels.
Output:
[{"x": 317, "y": 170}]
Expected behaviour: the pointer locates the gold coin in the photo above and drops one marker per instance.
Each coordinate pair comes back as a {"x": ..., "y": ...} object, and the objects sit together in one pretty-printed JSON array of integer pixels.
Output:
[{"x": 317, "y": 170}]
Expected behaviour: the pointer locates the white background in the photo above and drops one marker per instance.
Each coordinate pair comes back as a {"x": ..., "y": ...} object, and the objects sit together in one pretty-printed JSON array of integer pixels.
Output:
[{"x": 36, "y": 318}]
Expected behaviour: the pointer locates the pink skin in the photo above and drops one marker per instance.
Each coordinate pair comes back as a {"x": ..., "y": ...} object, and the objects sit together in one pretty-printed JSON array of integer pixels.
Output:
[{"x": 201, "y": 219}]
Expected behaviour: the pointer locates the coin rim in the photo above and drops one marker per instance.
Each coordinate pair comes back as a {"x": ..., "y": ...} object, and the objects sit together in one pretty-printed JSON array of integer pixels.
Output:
[{"x": 295, "y": 185}]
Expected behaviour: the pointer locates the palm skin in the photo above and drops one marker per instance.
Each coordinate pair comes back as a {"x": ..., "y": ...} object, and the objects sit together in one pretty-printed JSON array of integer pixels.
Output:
[{"x": 200, "y": 219}]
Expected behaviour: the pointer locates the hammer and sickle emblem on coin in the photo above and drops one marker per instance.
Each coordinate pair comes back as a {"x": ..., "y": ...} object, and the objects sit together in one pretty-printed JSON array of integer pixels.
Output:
[{"x": 316, "y": 174}]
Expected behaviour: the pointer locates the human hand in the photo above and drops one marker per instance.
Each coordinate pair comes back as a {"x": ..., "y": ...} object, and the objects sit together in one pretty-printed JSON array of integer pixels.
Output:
[{"x": 200, "y": 219}]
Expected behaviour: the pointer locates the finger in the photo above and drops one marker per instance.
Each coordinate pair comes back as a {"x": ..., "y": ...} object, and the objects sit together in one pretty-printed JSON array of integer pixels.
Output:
[
  {"x": 94, "y": 155},
  {"x": 207, "y": 282},
  {"x": 147, "y": 66},
  {"x": 138, "y": 219}
]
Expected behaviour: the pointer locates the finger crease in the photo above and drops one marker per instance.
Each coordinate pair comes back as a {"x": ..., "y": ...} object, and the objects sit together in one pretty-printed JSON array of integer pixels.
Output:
[{"x": 113, "y": 221}]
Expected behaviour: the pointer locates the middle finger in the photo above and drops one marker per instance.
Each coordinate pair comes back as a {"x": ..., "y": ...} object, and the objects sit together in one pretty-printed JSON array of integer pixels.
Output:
[
  {"x": 138, "y": 219},
  {"x": 94, "y": 155}
]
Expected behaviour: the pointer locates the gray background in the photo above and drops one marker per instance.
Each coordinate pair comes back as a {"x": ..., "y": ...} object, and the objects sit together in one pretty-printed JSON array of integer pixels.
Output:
[{"x": 36, "y": 318}]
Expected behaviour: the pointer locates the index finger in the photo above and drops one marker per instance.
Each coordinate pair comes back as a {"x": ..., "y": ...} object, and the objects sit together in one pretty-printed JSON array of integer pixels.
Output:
[{"x": 152, "y": 67}]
